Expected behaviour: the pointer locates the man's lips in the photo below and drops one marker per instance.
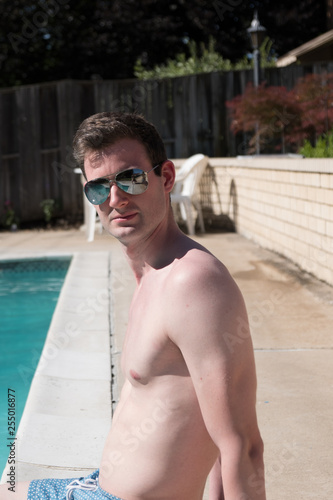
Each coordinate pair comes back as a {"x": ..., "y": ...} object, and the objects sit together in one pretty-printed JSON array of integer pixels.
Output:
[{"x": 124, "y": 217}]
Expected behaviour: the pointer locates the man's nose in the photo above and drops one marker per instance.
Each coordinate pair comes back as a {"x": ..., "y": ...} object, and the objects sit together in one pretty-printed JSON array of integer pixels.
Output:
[{"x": 117, "y": 197}]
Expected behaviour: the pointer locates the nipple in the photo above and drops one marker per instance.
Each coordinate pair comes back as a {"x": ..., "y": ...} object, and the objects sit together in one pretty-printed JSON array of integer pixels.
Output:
[{"x": 134, "y": 375}]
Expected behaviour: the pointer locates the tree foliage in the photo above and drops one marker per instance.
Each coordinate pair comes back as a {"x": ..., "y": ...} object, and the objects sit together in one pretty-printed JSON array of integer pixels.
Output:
[
  {"x": 47, "y": 40},
  {"x": 203, "y": 59},
  {"x": 322, "y": 149},
  {"x": 270, "y": 112},
  {"x": 314, "y": 95},
  {"x": 200, "y": 60},
  {"x": 283, "y": 117}
]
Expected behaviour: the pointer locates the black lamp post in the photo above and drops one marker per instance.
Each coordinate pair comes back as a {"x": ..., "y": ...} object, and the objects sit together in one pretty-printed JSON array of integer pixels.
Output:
[{"x": 257, "y": 33}]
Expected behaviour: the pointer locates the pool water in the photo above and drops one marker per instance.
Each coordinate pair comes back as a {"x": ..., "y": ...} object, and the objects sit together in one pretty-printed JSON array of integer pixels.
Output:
[{"x": 29, "y": 290}]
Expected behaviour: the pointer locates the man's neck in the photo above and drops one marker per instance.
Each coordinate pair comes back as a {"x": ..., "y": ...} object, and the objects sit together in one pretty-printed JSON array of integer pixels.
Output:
[{"x": 156, "y": 251}]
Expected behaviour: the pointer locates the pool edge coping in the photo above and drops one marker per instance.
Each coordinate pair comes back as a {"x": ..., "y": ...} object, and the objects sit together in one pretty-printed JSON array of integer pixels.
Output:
[{"x": 30, "y": 441}]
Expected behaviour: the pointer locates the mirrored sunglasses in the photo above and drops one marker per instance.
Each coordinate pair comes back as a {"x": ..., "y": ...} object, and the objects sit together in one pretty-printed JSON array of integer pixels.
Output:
[{"x": 132, "y": 181}]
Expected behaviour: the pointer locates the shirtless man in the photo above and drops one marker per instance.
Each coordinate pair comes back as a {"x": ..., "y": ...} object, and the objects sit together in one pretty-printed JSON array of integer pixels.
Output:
[{"x": 187, "y": 406}]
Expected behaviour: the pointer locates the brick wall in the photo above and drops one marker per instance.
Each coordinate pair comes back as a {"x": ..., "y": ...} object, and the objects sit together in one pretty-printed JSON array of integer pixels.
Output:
[{"x": 284, "y": 204}]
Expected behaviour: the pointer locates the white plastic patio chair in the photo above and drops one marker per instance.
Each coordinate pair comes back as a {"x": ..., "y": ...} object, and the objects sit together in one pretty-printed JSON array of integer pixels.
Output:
[
  {"x": 186, "y": 191},
  {"x": 90, "y": 214},
  {"x": 91, "y": 222}
]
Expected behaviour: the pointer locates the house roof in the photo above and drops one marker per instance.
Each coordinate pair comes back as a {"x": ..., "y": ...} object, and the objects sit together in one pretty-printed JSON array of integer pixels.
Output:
[{"x": 316, "y": 50}]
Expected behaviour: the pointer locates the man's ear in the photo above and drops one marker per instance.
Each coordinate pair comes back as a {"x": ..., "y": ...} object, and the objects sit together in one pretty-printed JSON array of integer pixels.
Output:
[{"x": 168, "y": 173}]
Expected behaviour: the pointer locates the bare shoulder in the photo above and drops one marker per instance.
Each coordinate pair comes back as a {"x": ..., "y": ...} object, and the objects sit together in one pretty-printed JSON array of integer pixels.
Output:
[
  {"x": 200, "y": 274},
  {"x": 206, "y": 306}
]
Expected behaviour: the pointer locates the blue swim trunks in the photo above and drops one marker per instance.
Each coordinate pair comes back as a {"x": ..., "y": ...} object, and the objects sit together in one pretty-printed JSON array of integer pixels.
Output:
[{"x": 83, "y": 488}]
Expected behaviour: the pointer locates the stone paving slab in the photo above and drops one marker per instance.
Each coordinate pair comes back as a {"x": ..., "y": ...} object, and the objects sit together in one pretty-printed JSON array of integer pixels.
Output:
[{"x": 295, "y": 409}]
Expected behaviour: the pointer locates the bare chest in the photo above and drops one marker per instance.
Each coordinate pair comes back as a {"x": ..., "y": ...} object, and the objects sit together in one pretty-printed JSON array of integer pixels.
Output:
[{"x": 148, "y": 351}]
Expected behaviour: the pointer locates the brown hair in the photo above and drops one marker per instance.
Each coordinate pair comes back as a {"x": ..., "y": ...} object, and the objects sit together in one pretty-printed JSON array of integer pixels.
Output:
[{"x": 103, "y": 129}]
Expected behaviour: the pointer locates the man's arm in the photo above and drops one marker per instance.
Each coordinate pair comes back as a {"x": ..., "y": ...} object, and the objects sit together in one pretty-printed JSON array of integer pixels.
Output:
[
  {"x": 209, "y": 324},
  {"x": 215, "y": 482}
]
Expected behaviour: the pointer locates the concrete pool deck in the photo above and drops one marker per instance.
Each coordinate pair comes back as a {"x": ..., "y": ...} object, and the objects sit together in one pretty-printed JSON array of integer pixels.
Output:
[{"x": 291, "y": 318}]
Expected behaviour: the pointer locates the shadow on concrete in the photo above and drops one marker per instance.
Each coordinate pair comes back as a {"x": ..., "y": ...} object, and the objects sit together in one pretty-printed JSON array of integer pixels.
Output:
[{"x": 215, "y": 219}]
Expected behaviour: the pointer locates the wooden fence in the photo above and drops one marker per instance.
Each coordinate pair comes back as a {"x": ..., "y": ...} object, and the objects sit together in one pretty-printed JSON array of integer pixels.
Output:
[{"x": 37, "y": 124}]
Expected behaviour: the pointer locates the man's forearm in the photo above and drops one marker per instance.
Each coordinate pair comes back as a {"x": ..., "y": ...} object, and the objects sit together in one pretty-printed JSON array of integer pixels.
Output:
[{"x": 215, "y": 482}]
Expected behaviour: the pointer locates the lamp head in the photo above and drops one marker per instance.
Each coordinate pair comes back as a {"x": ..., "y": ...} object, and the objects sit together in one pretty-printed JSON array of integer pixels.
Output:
[{"x": 257, "y": 32}]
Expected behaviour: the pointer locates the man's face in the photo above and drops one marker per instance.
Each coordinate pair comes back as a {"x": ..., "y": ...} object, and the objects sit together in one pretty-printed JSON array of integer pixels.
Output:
[{"x": 126, "y": 216}]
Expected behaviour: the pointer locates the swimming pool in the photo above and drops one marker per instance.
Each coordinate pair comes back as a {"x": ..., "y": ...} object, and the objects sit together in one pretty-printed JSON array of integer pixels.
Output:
[{"x": 29, "y": 291}]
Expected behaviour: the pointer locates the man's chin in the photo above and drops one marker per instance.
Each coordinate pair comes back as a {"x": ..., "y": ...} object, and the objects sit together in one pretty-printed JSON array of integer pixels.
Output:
[{"x": 123, "y": 234}]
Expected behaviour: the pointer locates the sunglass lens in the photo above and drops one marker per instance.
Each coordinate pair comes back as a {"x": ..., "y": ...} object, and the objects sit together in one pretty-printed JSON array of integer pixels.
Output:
[
  {"x": 97, "y": 193},
  {"x": 133, "y": 181}
]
